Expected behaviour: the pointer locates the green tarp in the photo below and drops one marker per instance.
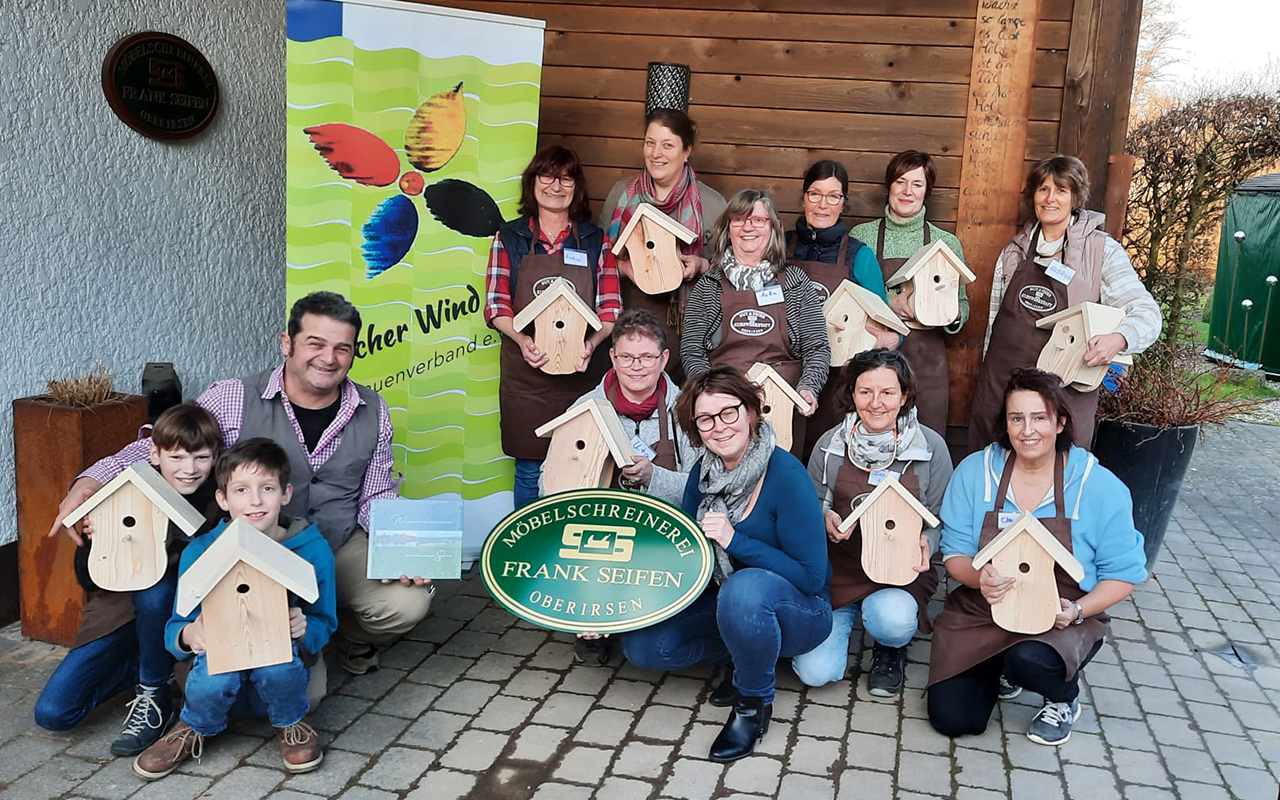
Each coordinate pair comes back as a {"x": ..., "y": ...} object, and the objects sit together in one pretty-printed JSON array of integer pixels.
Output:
[{"x": 1251, "y": 336}]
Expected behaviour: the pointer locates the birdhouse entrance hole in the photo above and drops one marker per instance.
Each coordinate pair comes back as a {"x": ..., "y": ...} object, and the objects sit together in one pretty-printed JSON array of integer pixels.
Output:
[
  {"x": 890, "y": 524},
  {"x": 937, "y": 279},
  {"x": 580, "y": 444},
  {"x": 128, "y": 522},
  {"x": 768, "y": 409},
  {"x": 559, "y": 323},
  {"x": 1024, "y": 567},
  {"x": 242, "y": 588},
  {"x": 650, "y": 244}
]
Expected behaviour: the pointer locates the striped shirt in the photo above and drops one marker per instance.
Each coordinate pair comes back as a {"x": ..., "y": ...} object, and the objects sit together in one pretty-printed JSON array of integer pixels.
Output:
[
  {"x": 497, "y": 281},
  {"x": 225, "y": 400},
  {"x": 806, "y": 327}
]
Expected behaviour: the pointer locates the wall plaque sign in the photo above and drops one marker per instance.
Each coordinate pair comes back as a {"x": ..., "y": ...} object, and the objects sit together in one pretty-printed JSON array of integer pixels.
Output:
[
  {"x": 160, "y": 85},
  {"x": 596, "y": 561}
]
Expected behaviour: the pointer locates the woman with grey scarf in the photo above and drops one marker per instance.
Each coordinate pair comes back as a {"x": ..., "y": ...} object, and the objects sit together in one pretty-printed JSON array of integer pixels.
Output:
[
  {"x": 879, "y": 435},
  {"x": 756, "y": 504}
]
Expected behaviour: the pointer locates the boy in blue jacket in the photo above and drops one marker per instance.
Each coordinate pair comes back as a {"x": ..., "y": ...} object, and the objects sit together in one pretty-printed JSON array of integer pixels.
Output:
[{"x": 253, "y": 484}]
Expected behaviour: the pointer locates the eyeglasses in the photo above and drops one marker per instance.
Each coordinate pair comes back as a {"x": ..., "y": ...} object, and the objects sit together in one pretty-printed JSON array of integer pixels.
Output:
[
  {"x": 627, "y": 360},
  {"x": 728, "y": 415},
  {"x": 756, "y": 222},
  {"x": 819, "y": 197},
  {"x": 563, "y": 180}
]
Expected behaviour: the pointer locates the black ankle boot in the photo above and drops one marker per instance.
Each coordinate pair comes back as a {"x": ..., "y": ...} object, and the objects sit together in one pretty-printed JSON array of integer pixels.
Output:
[
  {"x": 724, "y": 695},
  {"x": 748, "y": 721}
]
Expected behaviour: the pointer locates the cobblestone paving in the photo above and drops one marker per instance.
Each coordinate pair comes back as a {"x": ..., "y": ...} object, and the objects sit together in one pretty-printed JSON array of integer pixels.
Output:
[{"x": 1181, "y": 703}]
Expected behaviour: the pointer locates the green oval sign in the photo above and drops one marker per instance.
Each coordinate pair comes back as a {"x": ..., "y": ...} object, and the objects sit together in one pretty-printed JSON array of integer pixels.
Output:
[{"x": 596, "y": 561}]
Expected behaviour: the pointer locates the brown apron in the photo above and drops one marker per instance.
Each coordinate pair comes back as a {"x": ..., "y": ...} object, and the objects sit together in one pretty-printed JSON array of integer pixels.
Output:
[
  {"x": 741, "y": 312},
  {"x": 965, "y": 635},
  {"x": 825, "y": 279},
  {"x": 849, "y": 581},
  {"x": 926, "y": 350},
  {"x": 664, "y": 450},
  {"x": 527, "y": 397},
  {"x": 1016, "y": 342},
  {"x": 668, "y": 307}
]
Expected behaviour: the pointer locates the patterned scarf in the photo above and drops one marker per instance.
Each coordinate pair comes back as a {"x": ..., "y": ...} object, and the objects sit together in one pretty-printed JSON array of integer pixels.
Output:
[
  {"x": 871, "y": 451},
  {"x": 728, "y": 491},
  {"x": 746, "y": 279},
  {"x": 684, "y": 205}
]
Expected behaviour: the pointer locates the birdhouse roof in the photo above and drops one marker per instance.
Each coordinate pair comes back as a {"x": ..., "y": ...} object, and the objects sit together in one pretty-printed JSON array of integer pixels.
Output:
[
  {"x": 558, "y": 288},
  {"x": 921, "y": 257},
  {"x": 874, "y": 306},
  {"x": 606, "y": 419},
  {"x": 1097, "y": 320},
  {"x": 243, "y": 542},
  {"x": 760, "y": 373},
  {"x": 1028, "y": 525},
  {"x": 148, "y": 481},
  {"x": 647, "y": 211},
  {"x": 890, "y": 484}
]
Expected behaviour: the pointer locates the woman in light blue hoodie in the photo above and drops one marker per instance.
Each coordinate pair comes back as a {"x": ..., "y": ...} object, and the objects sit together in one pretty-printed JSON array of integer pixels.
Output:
[{"x": 1033, "y": 466}]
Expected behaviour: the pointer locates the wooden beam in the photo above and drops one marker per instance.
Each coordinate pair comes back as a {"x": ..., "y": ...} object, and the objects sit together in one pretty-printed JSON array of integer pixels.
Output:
[
  {"x": 1099, "y": 81},
  {"x": 991, "y": 168}
]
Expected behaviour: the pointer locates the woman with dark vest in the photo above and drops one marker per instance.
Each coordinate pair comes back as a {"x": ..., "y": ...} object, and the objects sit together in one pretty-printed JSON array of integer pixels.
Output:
[
  {"x": 878, "y": 435},
  {"x": 822, "y": 246},
  {"x": 909, "y": 181},
  {"x": 1032, "y": 467},
  {"x": 752, "y": 307},
  {"x": 668, "y": 183},
  {"x": 552, "y": 238},
  {"x": 1060, "y": 260},
  {"x": 769, "y": 597}
]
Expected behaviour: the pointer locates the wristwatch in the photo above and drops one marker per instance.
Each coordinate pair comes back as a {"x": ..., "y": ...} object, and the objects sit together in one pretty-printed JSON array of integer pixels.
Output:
[{"x": 1079, "y": 614}]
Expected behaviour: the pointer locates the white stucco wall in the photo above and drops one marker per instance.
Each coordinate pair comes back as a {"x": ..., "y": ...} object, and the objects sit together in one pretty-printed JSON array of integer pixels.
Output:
[{"x": 122, "y": 249}]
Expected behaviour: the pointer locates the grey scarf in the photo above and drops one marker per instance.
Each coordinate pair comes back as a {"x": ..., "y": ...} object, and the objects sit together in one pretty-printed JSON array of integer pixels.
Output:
[
  {"x": 746, "y": 279},
  {"x": 728, "y": 491},
  {"x": 871, "y": 451}
]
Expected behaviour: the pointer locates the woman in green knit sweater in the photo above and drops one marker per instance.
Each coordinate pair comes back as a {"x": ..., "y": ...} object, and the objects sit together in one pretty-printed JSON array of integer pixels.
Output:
[{"x": 909, "y": 180}]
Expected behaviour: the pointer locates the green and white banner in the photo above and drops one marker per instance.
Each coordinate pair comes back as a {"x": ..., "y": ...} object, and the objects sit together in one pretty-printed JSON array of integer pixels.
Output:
[{"x": 408, "y": 128}]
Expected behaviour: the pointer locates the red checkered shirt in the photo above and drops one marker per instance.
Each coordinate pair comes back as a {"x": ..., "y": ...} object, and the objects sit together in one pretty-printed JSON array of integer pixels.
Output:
[{"x": 497, "y": 281}]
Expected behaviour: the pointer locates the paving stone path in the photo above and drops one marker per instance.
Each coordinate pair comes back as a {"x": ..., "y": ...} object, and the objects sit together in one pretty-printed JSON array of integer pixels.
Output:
[{"x": 1182, "y": 702}]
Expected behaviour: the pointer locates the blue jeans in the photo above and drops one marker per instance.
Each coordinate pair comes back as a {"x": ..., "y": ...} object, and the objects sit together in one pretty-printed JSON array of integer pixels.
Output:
[
  {"x": 96, "y": 671},
  {"x": 754, "y": 618},
  {"x": 525, "y": 490},
  {"x": 211, "y": 699},
  {"x": 889, "y": 615}
]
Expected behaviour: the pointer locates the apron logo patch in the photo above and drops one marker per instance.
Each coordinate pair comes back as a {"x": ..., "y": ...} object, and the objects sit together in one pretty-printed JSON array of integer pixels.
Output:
[
  {"x": 823, "y": 292},
  {"x": 1035, "y": 297},
  {"x": 751, "y": 322},
  {"x": 541, "y": 286},
  {"x": 857, "y": 501}
]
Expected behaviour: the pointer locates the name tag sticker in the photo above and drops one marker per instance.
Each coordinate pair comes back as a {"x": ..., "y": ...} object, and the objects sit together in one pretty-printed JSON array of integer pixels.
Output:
[
  {"x": 642, "y": 447},
  {"x": 1060, "y": 272},
  {"x": 575, "y": 258},
  {"x": 769, "y": 295},
  {"x": 878, "y": 476},
  {"x": 1005, "y": 518}
]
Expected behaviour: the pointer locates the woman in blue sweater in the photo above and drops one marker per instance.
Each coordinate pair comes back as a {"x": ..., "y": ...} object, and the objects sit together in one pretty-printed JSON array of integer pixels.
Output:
[
  {"x": 769, "y": 598},
  {"x": 1033, "y": 466}
]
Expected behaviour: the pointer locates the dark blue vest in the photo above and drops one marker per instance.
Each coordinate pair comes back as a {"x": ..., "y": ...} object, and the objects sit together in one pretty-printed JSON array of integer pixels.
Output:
[{"x": 517, "y": 240}]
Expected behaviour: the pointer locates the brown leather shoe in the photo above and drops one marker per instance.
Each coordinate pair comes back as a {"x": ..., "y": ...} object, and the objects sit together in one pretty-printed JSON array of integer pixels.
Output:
[
  {"x": 300, "y": 747},
  {"x": 165, "y": 755}
]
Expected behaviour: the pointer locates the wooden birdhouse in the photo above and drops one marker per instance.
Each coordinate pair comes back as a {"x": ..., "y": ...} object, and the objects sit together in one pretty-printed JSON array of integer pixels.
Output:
[
  {"x": 780, "y": 400},
  {"x": 849, "y": 311},
  {"x": 935, "y": 273},
  {"x": 890, "y": 519},
  {"x": 587, "y": 442},
  {"x": 560, "y": 320},
  {"x": 650, "y": 241},
  {"x": 1027, "y": 552},
  {"x": 130, "y": 518},
  {"x": 242, "y": 584},
  {"x": 1063, "y": 354}
]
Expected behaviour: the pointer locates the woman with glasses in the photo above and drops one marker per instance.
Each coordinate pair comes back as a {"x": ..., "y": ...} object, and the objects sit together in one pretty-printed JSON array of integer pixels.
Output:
[
  {"x": 752, "y": 307},
  {"x": 878, "y": 435},
  {"x": 909, "y": 180},
  {"x": 552, "y": 238},
  {"x": 769, "y": 596},
  {"x": 645, "y": 399},
  {"x": 668, "y": 183},
  {"x": 822, "y": 247}
]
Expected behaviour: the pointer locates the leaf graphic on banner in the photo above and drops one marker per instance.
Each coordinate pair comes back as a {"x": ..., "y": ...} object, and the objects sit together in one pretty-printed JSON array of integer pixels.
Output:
[
  {"x": 435, "y": 133},
  {"x": 388, "y": 234},
  {"x": 355, "y": 154},
  {"x": 462, "y": 207}
]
